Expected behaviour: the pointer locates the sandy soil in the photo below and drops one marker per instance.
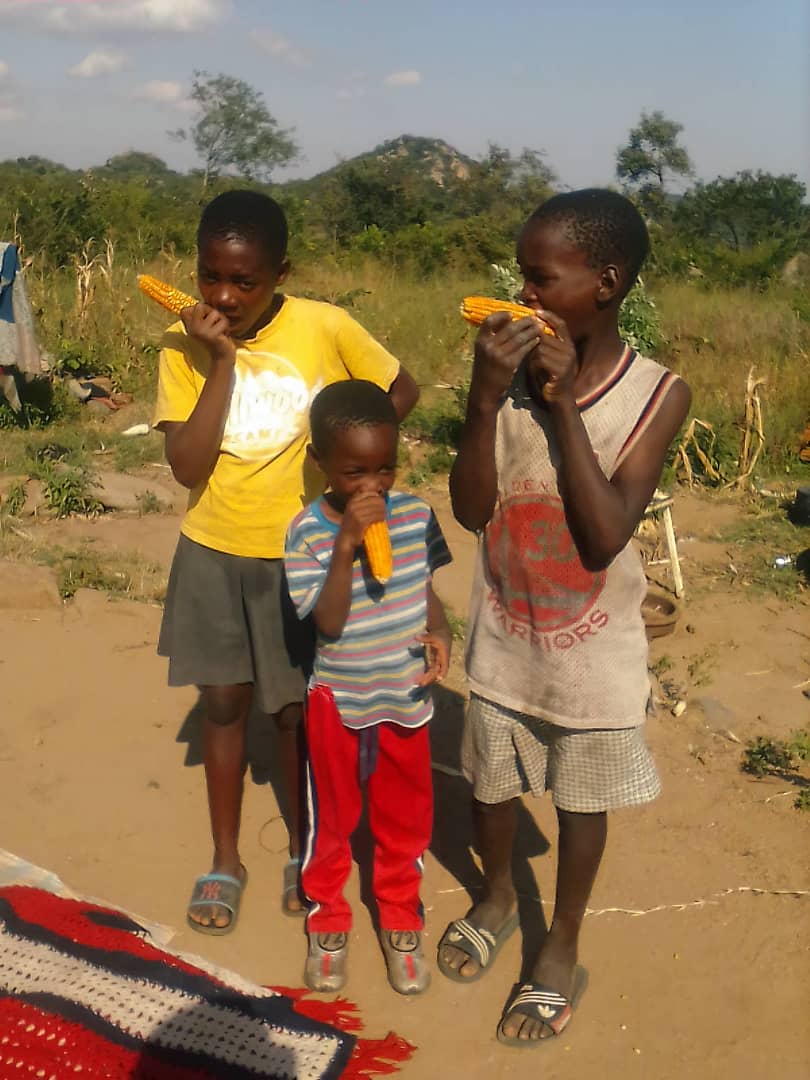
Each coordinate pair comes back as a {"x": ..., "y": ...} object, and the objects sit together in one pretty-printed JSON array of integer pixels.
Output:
[{"x": 697, "y": 944}]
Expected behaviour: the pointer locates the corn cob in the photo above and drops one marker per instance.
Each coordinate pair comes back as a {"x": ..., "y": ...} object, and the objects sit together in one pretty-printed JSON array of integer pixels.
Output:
[
  {"x": 172, "y": 299},
  {"x": 377, "y": 541},
  {"x": 477, "y": 308}
]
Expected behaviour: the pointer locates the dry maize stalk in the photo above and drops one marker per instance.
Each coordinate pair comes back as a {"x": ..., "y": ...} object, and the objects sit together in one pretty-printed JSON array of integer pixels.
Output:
[
  {"x": 172, "y": 299},
  {"x": 477, "y": 308},
  {"x": 377, "y": 541}
]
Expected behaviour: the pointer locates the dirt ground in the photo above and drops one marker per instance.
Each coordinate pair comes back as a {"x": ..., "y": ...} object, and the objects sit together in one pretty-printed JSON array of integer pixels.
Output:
[{"x": 697, "y": 944}]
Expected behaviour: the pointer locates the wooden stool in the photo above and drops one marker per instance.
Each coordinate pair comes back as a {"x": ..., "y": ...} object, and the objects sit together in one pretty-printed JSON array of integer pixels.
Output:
[{"x": 661, "y": 505}]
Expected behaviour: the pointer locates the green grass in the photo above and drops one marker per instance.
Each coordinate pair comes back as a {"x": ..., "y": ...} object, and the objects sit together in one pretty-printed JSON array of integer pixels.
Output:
[
  {"x": 149, "y": 503},
  {"x": 458, "y": 626},
  {"x": 756, "y": 538},
  {"x": 713, "y": 338},
  {"x": 662, "y": 665},
  {"x": 716, "y": 336},
  {"x": 120, "y": 573},
  {"x": 783, "y": 758}
]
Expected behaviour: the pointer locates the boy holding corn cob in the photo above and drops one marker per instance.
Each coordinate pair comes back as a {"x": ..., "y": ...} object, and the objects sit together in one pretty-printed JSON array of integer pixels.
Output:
[
  {"x": 368, "y": 704},
  {"x": 237, "y": 375},
  {"x": 564, "y": 440}
]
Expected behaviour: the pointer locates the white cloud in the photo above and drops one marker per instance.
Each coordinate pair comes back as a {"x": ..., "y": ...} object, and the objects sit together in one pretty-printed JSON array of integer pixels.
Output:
[
  {"x": 168, "y": 93},
  {"x": 279, "y": 46},
  {"x": 105, "y": 16},
  {"x": 403, "y": 78},
  {"x": 157, "y": 90},
  {"x": 99, "y": 62}
]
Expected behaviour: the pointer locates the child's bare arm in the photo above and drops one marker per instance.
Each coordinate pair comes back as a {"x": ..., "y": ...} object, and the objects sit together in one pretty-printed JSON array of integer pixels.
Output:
[
  {"x": 332, "y": 607},
  {"x": 404, "y": 393},
  {"x": 499, "y": 348},
  {"x": 602, "y": 514},
  {"x": 192, "y": 447},
  {"x": 437, "y": 640}
]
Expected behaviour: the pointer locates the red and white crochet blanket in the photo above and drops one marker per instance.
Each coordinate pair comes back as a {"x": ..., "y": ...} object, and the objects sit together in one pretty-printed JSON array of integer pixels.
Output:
[{"x": 84, "y": 992}]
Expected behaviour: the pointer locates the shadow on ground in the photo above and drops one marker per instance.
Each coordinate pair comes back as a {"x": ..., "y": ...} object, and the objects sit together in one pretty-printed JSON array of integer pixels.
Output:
[{"x": 453, "y": 842}]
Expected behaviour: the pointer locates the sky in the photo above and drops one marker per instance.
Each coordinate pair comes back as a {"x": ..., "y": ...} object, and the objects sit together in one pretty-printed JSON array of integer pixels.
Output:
[{"x": 82, "y": 80}]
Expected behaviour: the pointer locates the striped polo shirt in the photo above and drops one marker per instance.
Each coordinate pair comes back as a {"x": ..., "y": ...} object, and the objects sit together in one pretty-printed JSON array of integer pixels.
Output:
[{"x": 373, "y": 666}]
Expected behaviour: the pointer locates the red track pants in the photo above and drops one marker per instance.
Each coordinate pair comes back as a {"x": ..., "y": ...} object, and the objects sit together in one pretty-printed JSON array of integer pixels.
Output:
[{"x": 400, "y": 806}]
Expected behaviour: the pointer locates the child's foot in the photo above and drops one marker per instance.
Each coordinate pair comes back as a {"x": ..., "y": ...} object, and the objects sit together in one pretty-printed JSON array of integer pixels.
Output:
[
  {"x": 554, "y": 970},
  {"x": 497, "y": 918},
  {"x": 291, "y": 900},
  {"x": 325, "y": 969},
  {"x": 408, "y": 972},
  {"x": 216, "y": 898}
]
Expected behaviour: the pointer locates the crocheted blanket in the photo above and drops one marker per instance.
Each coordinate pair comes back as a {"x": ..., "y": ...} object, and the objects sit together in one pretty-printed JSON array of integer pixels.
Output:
[{"x": 85, "y": 991}]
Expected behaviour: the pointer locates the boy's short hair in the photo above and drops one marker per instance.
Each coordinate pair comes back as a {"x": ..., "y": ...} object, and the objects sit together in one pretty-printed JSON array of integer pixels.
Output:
[
  {"x": 347, "y": 404},
  {"x": 246, "y": 215},
  {"x": 605, "y": 225}
]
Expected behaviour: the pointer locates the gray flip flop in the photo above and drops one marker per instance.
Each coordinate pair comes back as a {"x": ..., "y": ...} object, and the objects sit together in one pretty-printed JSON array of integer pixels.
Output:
[
  {"x": 325, "y": 970},
  {"x": 217, "y": 890},
  {"x": 539, "y": 1002},
  {"x": 292, "y": 887},
  {"x": 479, "y": 944},
  {"x": 407, "y": 968}
]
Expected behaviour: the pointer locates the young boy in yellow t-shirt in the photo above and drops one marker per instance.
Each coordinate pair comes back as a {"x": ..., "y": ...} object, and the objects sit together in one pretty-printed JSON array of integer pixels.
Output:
[{"x": 237, "y": 376}]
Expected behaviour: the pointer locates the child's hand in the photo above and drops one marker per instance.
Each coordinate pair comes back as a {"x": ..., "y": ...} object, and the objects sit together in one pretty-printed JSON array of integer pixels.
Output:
[
  {"x": 499, "y": 348},
  {"x": 553, "y": 364},
  {"x": 437, "y": 655},
  {"x": 210, "y": 326},
  {"x": 362, "y": 509}
]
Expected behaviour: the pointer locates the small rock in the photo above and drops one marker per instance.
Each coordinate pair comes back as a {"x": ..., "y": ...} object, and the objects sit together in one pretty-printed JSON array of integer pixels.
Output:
[
  {"x": 36, "y": 505},
  {"x": 679, "y": 708},
  {"x": 806, "y": 693},
  {"x": 27, "y": 588},
  {"x": 119, "y": 491},
  {"x": 691, "y": 628},
  {"x": 729, "y": 735}
]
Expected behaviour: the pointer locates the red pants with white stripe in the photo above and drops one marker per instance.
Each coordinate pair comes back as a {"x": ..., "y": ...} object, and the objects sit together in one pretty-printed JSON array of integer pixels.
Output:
[{"x": 400, "y": 807}]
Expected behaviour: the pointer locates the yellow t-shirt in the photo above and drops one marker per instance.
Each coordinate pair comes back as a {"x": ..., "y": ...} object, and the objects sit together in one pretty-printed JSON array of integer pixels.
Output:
[{"x": 262, "y": 477}]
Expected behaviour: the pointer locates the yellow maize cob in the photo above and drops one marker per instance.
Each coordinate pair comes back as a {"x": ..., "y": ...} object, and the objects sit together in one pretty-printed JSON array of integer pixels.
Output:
[
  {"x": 377, "y": 541},
  {"x": 477, "y": 308},
  {"x": 172, "y": 299}
]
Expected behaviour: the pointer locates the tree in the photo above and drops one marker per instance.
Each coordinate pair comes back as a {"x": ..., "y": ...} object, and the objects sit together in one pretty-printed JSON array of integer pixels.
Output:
[
  {"x": 745, "y": 210},
  {"x": 652, "y": 158},
  {"x": 234, "y": 131},
  {"x": 743, "y": 229},
  {"x": 136, "y": 163}
]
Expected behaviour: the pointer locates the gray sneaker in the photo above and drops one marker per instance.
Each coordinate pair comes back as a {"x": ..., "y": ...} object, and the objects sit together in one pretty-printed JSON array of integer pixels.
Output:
[{"x": 325, "y": 969}]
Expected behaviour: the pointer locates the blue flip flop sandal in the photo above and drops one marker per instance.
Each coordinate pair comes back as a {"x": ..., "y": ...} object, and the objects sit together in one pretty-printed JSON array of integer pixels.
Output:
[
  {"x": 539, "y": 1002},
  {"x": 220, "y": 890},
  {"x": 479, "y": 944}
]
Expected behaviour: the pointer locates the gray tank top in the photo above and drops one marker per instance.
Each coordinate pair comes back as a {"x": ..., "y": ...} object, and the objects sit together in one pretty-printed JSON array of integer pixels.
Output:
[{"x": 548, "y": 637}]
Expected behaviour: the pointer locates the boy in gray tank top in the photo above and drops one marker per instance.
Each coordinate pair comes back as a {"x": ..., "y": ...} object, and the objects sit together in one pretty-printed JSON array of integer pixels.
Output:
[{"x": 563, "y": 444}]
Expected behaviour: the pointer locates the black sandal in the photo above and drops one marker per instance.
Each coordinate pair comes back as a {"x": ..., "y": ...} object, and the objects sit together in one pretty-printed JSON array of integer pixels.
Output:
[
  {"x": 479, "y": 944},
  {"x": 539, "y": 1002}
]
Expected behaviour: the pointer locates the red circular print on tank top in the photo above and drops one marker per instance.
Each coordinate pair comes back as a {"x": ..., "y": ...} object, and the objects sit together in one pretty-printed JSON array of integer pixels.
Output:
[{"x": 535, "y": 566}]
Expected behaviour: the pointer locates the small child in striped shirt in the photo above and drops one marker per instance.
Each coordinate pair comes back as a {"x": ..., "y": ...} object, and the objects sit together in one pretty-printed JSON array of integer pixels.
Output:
[{"x": 380, "y": 646}]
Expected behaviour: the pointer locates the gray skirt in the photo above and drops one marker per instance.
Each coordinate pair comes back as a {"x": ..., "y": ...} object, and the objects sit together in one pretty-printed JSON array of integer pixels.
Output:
[{"x": 229, "y": 619}]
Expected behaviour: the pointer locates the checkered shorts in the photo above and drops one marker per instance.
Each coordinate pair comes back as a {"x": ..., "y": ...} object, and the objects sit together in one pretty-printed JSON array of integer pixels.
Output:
[{"x": 506, "y": 753}]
